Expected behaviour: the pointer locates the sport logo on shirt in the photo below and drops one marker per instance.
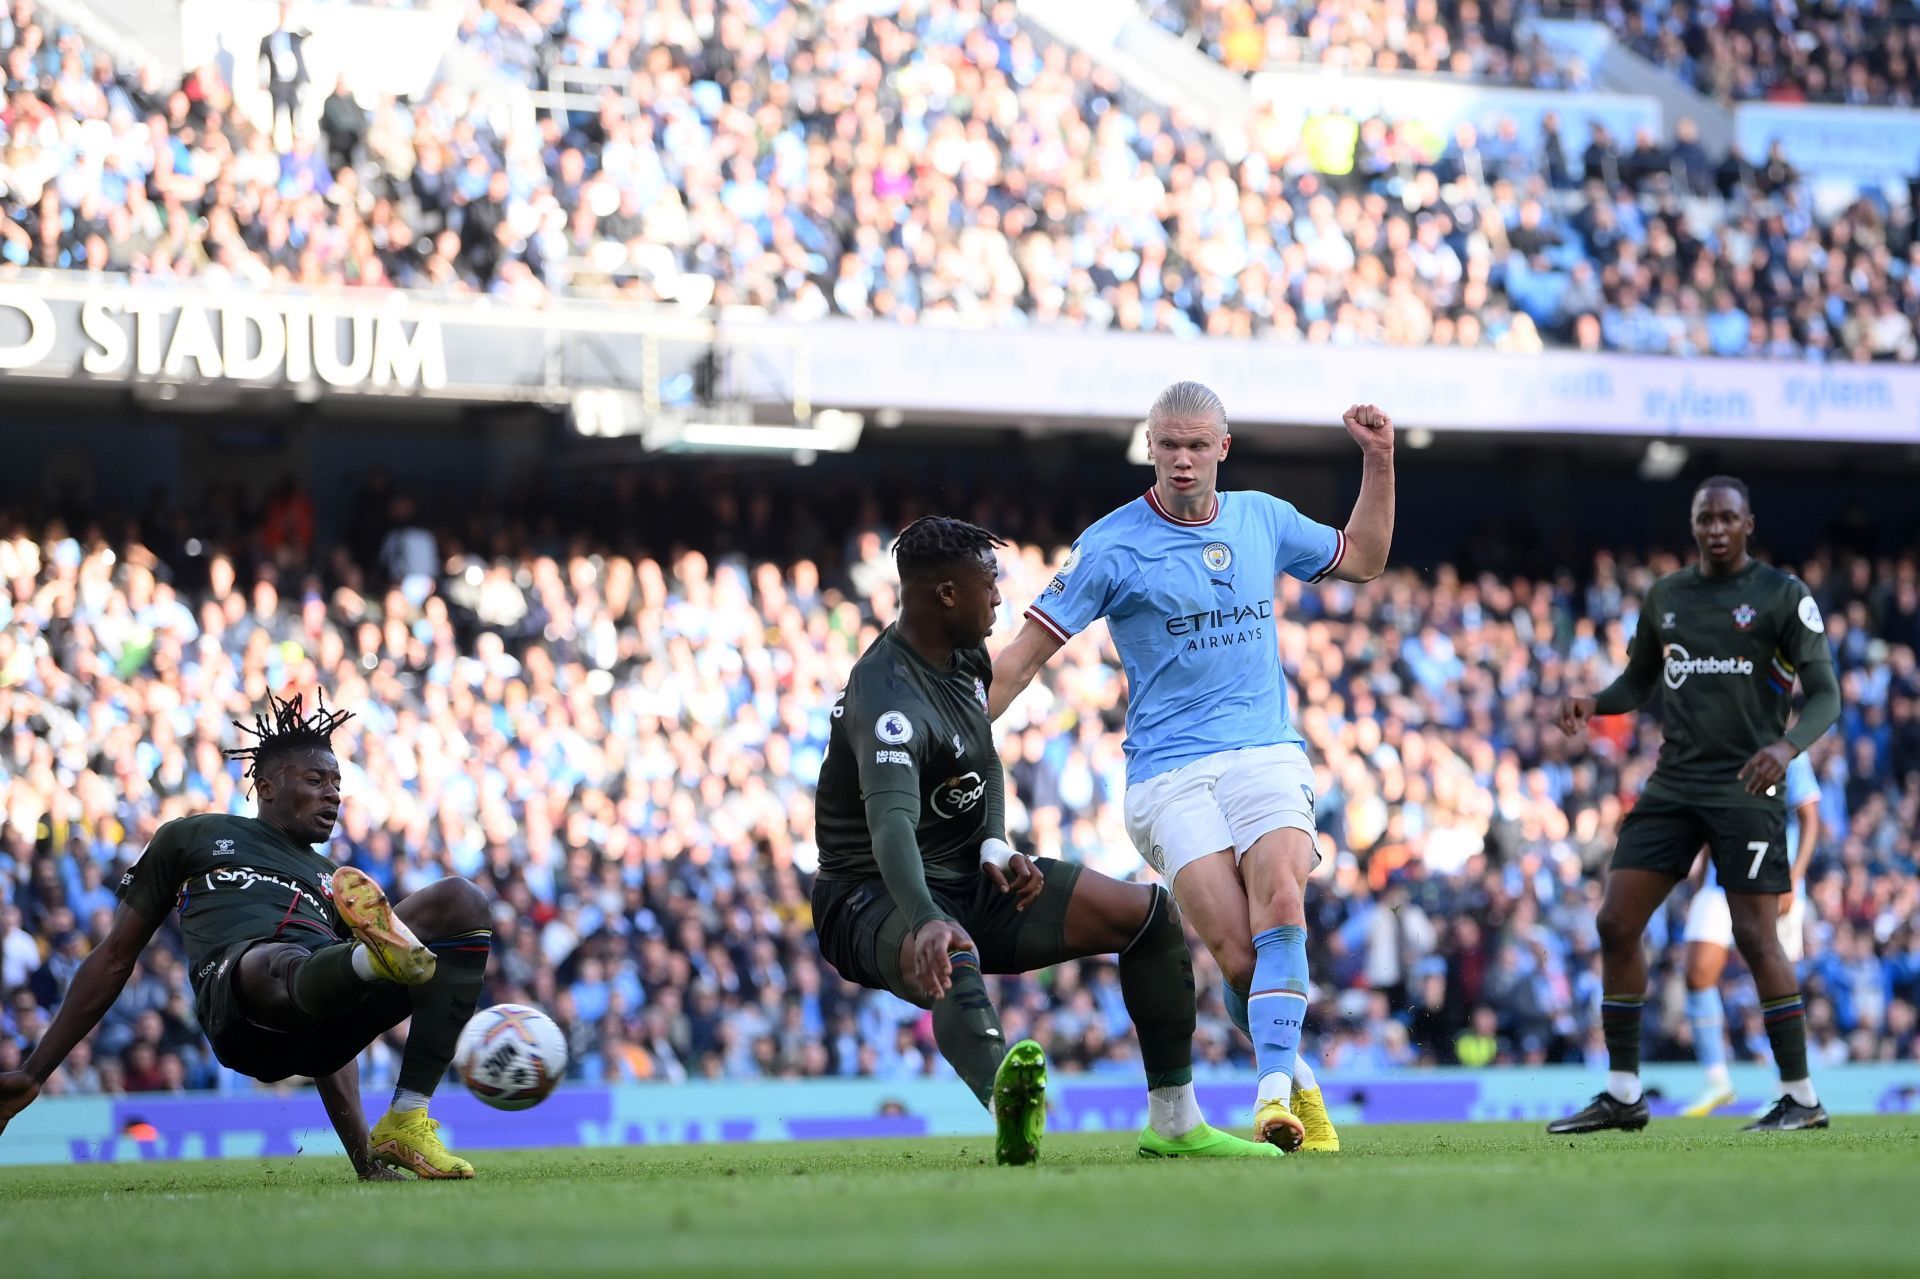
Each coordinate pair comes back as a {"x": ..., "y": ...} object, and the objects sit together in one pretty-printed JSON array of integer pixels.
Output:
[{"x": 959, "y": 794}]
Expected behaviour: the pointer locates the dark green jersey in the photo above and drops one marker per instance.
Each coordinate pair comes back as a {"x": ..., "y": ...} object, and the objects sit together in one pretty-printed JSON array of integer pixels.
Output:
[
  {"x": 905, "y": 727},
  {"x": 1724, "y": 653},
  {"x": 234, "y": 879}
]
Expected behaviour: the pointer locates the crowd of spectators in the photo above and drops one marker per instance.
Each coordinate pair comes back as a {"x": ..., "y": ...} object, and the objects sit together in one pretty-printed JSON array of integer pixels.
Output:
[
  {"x": 1467, "y": 39},
  {"x": 939, "y": 165},
  {"x": 1854, "y": 52},
  {"x": 617, "y": 737}
]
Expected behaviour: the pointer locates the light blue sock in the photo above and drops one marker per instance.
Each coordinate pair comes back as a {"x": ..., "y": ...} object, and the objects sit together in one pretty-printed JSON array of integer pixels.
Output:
[
  {"x": 1709, "y": 1018},
  {"x": 1278, "y": 1006},
  {"x": 1236, "y": 1002}
]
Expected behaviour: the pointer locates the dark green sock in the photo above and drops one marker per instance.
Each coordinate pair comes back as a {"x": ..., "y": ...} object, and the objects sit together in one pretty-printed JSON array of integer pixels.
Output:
[
  {"x": 1620, "y": 1024},
  {"x": 967, "y": 1029},
  {"x": 1786, "y": 1019},
  {"x": 324, "y": 984},
  {"x": 1156, "y": 980},
  {"x": 442, "y": 1007}
]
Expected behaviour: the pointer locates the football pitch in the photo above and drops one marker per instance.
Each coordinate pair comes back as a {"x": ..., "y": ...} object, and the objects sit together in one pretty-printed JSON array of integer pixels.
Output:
[{"x": 1692, "y": 1198}]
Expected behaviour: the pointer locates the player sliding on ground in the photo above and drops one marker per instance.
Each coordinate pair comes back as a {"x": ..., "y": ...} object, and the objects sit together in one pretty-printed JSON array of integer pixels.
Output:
[
  {"x": 1709, "y": 936},
  {"x": 919, "y": 894},
  {"x": 1219, "y": 790},
  {"x": 297, "y": 965},
  {"x": 1727, "y": 636}
]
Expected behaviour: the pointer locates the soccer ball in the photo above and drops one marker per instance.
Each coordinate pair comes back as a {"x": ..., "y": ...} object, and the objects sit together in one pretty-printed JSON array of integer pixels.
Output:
[{"x": 511, "y": 1056}]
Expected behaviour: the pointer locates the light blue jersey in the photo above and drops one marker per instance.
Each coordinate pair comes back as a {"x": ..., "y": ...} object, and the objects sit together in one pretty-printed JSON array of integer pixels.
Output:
[
  {"x": 1190, "y": 607},
  {"x": 1802, "y": 786}
]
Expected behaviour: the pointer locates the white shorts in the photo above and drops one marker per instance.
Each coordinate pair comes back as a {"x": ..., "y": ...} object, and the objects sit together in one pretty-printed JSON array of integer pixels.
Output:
[
  {"x": 1709, "y": 921},
  {"x": 1226, "y": 800}
]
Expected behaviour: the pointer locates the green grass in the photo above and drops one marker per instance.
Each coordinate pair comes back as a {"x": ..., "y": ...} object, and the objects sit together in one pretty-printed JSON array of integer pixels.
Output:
[{"x": 1693, "y": 1198}]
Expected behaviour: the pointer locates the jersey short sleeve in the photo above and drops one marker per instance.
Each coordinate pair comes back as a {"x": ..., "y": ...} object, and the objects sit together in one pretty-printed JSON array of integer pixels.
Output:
[
  {"x": 1302, "y": 547},
  {"x": 886, "y": 735},
  {"x": 1080, "y": 593},
  {"x": 152, "y": 886},
  {"x": 1802, "y": 786},
  {"x": 1805, "y": 640}
]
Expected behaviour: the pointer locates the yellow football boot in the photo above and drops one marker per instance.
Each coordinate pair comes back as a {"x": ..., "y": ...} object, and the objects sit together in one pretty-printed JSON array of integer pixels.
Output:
[
  {"x": 1311, "y": 1107},
  {"x": 395, "y": 952},
  {"x": 1278, "y": 1126},
  {"x": 409, "y": 1141}
]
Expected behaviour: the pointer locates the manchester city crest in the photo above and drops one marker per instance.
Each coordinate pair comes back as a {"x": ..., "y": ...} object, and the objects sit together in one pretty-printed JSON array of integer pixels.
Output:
[{"x": 1216, "y": 556}]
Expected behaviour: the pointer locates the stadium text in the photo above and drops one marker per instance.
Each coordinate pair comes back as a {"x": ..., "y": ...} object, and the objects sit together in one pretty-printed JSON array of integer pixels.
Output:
[{"x": 244, "y": 341}]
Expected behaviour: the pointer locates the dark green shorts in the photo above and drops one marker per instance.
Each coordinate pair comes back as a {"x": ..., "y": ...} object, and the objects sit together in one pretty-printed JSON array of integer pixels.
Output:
[
  {"x": 1748, "y": 845},
  {"x": 263, "y": 1053},
  {"x": 861, "y": 930}
]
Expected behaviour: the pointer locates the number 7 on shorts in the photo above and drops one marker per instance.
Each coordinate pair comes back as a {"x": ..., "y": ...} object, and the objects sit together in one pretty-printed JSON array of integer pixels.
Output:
[{"x": 1758, "y": 847}]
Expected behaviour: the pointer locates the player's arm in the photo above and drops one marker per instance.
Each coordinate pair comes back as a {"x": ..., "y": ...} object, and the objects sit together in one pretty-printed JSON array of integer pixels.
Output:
[
  {"x": 1081, "y": 592},
  {"x": 888, "y": 746},
  {"x": 1017, "y": 664},
  {"x": 1631, "y": 688},
  {"x": 1806, "y": 647},
  {"x": 1369, "y": 531},
  {"x": 340, "y": 1094},
  {"x": 99, "y": 981},
  {"x": 891, "y": 818}
]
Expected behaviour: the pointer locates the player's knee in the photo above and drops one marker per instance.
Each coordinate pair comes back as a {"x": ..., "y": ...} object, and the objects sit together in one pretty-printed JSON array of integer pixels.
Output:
[
  {"x": 1160, "y": 931},
  {"x": 1281, "y": 901},
  {"x": 1617, "y": 933},
  {"x": 446, "y": 907},
  {"x": 1236, "y": 963}
]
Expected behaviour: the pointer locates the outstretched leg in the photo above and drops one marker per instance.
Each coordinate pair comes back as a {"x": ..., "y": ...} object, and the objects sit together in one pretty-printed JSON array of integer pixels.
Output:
[
  {"x": 1141, "y": 923},
  {"x": 452, "y": 918}
]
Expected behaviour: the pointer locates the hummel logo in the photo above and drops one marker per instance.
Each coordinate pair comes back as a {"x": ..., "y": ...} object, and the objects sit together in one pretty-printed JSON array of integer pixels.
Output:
[
  {"x": 223, "y": 848},
  {"x": 959, "y": 747}
]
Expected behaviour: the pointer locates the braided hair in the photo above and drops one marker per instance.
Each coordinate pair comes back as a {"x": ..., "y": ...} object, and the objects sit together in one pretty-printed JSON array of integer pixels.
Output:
[
  {"x": 285, "y": 730},
  {"x": 935, "y": 542}
]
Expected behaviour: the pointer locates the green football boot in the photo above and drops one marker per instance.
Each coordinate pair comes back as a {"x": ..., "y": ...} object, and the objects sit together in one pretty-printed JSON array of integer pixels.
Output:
[
  {"x": 1203, "y": 1142},
  {"x": 1020, "y": 1104}
]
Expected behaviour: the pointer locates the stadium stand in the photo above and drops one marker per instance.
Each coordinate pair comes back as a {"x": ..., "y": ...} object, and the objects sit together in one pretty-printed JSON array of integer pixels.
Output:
[
  {"x": 941, "y": 165},
  {"x": 619, "y": 744},
  {"x": 1855, "y": 54}
]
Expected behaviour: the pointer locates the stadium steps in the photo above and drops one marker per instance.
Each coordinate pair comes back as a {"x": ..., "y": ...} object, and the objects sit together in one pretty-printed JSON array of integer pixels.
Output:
[
  {"x": 1153, "y": 63},
  {"x": 1619, "y": 69}
]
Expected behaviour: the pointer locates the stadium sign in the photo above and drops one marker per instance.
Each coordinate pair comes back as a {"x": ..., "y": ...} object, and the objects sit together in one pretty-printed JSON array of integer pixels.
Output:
[
  {"x": 70, "y": 331},
  {"x": 1113, "y": 377},
  {"x": 246, "y": 340}
]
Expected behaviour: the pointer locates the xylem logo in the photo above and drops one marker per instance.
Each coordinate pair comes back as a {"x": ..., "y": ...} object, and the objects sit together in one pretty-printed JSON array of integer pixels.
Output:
[
  {"x": 959, "y": 794},
  {"x": 1681, "y": 664}
]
